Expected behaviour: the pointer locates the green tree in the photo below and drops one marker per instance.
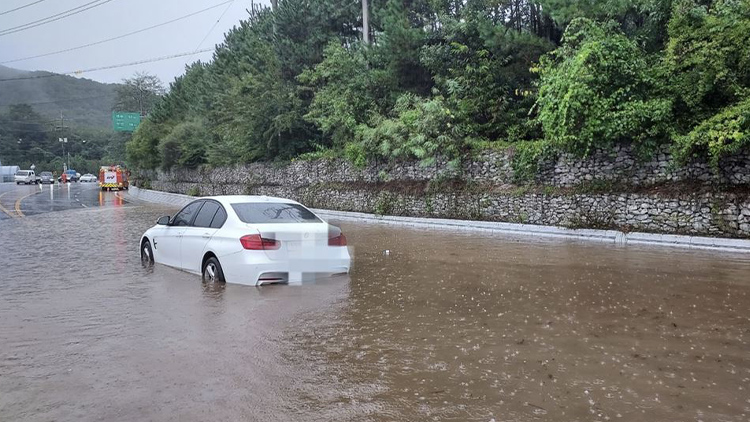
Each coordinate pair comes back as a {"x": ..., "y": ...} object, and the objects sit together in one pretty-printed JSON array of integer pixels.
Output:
[
  {"x": 347, "y": 91},
  {"x": 598, "y": 89},
  {"x": 709, "y": 57},
  {"x": 138, "y": 94}
]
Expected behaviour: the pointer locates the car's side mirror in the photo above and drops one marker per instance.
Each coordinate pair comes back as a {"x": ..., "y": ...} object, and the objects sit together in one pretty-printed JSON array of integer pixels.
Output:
[{"x": 163, "y": 221}]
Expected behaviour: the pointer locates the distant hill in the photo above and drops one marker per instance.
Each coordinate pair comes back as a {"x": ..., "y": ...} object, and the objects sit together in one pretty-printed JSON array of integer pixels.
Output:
[{"x": 84, "y": 103}]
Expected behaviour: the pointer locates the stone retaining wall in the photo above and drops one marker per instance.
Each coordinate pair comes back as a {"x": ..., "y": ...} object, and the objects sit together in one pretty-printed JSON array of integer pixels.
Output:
[
  {"x": 717, "y": 204},
  {"x": 619, "y": 166}
]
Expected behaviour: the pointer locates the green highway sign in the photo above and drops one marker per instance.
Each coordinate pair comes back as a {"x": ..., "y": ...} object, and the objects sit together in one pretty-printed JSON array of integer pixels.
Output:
[{"x": 125, "y": 122}]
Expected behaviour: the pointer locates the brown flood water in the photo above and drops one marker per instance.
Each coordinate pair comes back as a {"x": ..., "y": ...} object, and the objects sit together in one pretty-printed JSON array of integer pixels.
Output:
[{"x": 449, "y": 326}]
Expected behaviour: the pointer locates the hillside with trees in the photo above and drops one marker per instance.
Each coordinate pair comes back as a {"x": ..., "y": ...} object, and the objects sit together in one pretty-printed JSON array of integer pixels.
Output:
[
  {"x": 26, "y": 138},
  {"x": 443, "y": 78},
  {"x": 84, "y": 102},
  {"x": 29, "y": 136}
]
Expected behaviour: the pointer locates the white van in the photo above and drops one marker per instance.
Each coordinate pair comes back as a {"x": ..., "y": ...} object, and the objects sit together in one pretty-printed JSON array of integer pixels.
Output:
[{"x": 27, "y": 177}]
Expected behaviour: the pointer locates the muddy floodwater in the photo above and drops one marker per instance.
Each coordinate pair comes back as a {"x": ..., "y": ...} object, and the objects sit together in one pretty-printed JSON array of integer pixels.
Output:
[{"x": 445, "y": 326}]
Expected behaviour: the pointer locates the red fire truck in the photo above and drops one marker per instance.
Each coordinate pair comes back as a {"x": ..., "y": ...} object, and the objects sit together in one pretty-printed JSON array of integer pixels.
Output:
[{"x": 113, "y": 177}]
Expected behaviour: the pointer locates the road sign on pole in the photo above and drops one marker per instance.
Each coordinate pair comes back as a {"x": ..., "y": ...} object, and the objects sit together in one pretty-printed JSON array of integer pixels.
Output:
[{"x": 125, "y": 122}]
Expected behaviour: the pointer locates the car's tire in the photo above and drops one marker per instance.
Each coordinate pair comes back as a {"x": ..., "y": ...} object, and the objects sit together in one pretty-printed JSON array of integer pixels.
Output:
[
  {"x": 212, "y": 272},
  {"x": 147, "y": 254}
]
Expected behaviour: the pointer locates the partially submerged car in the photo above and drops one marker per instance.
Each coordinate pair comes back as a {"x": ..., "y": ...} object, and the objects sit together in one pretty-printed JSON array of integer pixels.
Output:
[
  {"x": 251, "y": 240},
  {"x": 88, "y": 178}
]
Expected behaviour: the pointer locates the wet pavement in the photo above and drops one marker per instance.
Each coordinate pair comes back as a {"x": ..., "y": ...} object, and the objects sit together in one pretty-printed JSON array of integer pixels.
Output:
[
  {"x": 18, "y": 201},
  {"x": 445, "y": 326}
]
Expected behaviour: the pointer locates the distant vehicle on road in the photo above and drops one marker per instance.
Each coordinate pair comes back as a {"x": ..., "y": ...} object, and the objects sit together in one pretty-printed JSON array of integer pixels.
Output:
[
  {"x": 113, "y": 177},
  {"x": 88, "y": 178},
  {"x": 71, "y": 176},
  {"x": 251, "y": 240},
  {"x": 46, "y": 177},
  {"x": 27, "y": 177}
]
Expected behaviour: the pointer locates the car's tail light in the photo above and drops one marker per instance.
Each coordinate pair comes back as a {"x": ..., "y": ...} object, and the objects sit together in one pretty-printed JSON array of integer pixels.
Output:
[
  {"x": 254, "y": 242},
  {"x": 339, "y": 240}
]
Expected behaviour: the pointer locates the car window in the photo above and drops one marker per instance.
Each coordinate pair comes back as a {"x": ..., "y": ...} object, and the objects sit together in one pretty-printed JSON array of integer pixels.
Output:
[
  {"x": 206, "y": 214},
  {"x": 219, "y": 218},
  {"x": 274, "y": 212},
  {"x": 184, "y": 217}
]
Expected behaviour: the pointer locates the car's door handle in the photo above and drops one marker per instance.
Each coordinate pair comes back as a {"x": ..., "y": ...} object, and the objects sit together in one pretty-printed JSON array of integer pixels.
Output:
[{"x": 206, "y": 235}]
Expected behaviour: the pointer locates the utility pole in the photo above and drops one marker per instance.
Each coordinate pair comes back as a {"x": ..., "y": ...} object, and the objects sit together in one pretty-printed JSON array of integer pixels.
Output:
[
  {"x": 63, "y": 141},
  {"x": 365, "y": 22},
  {"x": 62, "y": 123},
  {"x": 274, "y": 4}
]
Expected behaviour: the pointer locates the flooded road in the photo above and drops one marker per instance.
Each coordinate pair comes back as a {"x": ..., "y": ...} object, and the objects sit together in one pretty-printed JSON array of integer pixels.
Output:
[
  {"x": 18, "y": 201},
  {"x": 445, "y": 326}
]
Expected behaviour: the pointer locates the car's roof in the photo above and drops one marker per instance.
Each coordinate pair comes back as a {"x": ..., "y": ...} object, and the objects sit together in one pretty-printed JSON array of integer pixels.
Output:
[{"x": 239, "y": 199}]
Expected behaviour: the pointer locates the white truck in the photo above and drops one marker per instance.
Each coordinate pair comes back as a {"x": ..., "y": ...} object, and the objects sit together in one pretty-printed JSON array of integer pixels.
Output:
[{"x": 27, "y": 177}]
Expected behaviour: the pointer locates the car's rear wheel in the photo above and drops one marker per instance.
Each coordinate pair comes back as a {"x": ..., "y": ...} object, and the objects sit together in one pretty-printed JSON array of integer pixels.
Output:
[
  {"x": 212, "y": 272},
  {"x": 147, "y": 254}
]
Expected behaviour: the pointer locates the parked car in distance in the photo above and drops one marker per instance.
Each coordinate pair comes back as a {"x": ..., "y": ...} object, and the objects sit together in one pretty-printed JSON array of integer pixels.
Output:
[
  {"x": 46, "y": 177},
  {"x": 71, "y": 176},
  {"x": 27, "y": 177},
  {"x": 88, "y": 178},
  {"x": 251, "y": 240}
]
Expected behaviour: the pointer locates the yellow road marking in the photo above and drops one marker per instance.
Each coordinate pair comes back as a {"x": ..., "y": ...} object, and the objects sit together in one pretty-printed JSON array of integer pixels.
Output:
[
  {"x": 2, "y": 208},
  {"x": 18, "y": 204}
]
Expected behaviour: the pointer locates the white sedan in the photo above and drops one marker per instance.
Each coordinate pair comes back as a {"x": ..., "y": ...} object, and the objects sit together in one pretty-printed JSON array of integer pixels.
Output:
[
  {"x": 88, "y": 177},
  {"x": 250, "y": 240}
]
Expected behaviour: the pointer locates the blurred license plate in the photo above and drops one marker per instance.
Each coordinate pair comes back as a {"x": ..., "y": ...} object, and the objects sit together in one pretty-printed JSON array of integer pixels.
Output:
[{"x": 294, "y": 246}]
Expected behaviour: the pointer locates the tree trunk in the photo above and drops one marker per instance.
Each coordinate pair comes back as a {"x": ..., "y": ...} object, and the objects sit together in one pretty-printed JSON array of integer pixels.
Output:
[{"x": 365, "y": 22}]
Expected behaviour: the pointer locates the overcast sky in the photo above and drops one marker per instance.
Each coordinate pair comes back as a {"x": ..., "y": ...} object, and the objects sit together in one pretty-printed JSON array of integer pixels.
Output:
[{"x": 109, "y": 20}]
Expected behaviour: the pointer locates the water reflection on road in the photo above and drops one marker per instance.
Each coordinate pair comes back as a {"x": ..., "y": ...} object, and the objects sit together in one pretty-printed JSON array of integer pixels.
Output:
[{"x": 447, "y": 326}]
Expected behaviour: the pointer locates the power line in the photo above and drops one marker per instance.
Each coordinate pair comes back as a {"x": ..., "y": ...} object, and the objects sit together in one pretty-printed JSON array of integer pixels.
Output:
[
  {"x": 114, "y": 66},
  {"x": 63, "y": 100},
  {"x": 119, "y": 36},
  {"x": 27, "y": 122},
  {"x": 55, "y": 17},
  {"x": 49, "y": 18},
  {"x": 21, "y": 7},
  {"x": 215, "y": 23}
]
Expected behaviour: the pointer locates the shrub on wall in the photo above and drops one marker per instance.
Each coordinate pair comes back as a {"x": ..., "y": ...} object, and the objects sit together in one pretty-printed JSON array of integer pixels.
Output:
[
  {"x": 598, "y": 89},
  {"x": 526, "y": 158},
  {"x": 726, "y": 133}
]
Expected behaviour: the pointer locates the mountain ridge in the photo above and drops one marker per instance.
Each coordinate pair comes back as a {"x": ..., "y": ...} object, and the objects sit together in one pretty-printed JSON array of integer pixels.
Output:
[{"x": 83, "y": 102}]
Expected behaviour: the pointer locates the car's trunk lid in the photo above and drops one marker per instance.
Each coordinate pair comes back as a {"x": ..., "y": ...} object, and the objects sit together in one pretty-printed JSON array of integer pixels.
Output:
[{"x": 296, "y": 241}]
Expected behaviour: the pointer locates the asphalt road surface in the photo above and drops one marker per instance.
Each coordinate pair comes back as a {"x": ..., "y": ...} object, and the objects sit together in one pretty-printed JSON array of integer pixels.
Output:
[
  {"x": 18, "y": 201},
  {"x": 446, "y": 326}
]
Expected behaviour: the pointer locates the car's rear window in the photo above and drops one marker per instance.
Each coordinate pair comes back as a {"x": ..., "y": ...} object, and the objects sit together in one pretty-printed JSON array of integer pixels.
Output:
[
  {"x": 46, "y": 173},
  {"x": 269, "y": 213}
]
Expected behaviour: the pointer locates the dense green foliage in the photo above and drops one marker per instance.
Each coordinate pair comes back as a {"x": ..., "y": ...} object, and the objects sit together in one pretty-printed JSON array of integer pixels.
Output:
[
  {"x": 443, "y": 76},
  {"x": 709, "y": 57},
  {"x": 598, "y": 89}
]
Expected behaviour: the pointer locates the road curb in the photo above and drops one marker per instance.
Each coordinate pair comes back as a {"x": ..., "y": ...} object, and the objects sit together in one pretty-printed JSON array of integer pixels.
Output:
[{"x": 608, "y": 236}]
